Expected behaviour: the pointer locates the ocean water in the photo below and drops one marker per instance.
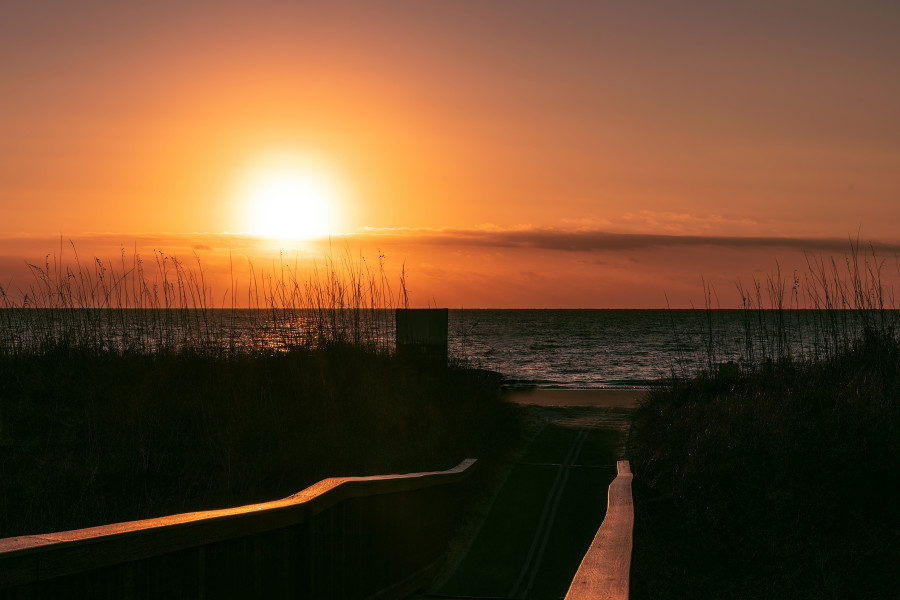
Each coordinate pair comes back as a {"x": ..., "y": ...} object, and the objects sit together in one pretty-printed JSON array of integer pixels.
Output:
[
  {"x": 578, "y": 348},
  {"x": 635, "y": 348},
  {"x": 608, "y": 348}
]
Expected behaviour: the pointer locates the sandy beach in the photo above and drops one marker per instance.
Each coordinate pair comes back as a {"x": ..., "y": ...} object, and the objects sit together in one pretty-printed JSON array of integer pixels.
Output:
[{"x": 608, "y": 398}]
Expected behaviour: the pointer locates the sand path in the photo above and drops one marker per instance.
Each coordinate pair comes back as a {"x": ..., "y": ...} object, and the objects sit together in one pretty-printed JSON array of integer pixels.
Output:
[{"x": 599, "y": 398}]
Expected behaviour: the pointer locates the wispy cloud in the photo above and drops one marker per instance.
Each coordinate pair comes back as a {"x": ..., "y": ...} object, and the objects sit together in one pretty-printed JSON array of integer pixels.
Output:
[
  {"x": 524, "y": 237},
  {"x": 170, "y": 242},
  {"x": 676, "y": 223},
  {"x": 596, "y": 240}
]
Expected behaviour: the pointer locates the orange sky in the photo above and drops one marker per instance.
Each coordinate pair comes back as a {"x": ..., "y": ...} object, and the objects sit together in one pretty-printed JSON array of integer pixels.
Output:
[{"x": 511, "y": 153}]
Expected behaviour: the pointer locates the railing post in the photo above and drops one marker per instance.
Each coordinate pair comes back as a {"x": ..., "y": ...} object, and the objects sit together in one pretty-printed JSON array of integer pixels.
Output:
[{"x": 422, "y": 335}]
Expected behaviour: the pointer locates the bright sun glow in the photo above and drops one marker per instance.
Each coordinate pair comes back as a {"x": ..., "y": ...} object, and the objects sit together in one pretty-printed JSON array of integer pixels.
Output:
[{"x": 289, "y": 201}]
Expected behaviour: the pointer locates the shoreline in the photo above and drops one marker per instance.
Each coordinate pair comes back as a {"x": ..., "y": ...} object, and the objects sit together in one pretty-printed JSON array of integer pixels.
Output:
[{"x": 598, "y": 397}]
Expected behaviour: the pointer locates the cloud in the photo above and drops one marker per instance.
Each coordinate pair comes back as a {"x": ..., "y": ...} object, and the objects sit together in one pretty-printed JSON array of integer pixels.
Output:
[
  {"x": 520, "y": 237},
  {"x": 92, "y": 243},
  {"x": 599, "y": 241},
  {"x": 686, "y": 223}
]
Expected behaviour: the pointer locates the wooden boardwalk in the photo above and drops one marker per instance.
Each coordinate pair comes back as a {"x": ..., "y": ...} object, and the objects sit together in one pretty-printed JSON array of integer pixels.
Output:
[
  {"x": 367, "y": 537},
  {"x": 547, "y": 511},
  {"x": 348, "y": 537}
]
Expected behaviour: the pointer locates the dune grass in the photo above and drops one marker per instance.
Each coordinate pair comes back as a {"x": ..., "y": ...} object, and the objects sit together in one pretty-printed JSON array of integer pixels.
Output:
[
  {"x": 166, "y": 305},
  {"x": 126, "y": 395},
  {"x": 776, "y": 476}
]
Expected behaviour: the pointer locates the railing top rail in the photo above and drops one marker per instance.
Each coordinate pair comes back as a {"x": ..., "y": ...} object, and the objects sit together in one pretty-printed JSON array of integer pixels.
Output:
[
  {"x": 604, "y": 572},
  {"x": 108, "y": 544}
]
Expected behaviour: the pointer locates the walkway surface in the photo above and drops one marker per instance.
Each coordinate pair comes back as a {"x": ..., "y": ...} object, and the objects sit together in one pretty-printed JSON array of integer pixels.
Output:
[{"x": 551, "y": 503}]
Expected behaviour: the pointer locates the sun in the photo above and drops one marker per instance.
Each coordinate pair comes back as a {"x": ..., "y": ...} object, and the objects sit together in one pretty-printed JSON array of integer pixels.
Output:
[{"x": 289, "y": 201}]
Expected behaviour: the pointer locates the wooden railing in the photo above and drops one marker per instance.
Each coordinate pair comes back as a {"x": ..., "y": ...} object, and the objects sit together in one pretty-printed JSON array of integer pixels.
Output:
[
  {"x": 349, "y": 537},
  {"x": 605, "y": 569}
]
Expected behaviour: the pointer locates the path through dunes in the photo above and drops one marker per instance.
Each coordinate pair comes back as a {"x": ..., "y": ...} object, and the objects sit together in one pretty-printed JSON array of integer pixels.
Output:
[{"x": 546, "y": 512}]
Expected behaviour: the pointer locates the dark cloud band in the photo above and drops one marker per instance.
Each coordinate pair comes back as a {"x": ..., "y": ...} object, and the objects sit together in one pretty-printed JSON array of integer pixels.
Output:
[{"x": 591, "y": 241}]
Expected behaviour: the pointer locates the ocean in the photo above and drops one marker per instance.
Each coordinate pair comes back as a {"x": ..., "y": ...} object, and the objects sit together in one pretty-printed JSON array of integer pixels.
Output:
[
  {"x": 579, "y": 348},
  {"x": 550, "y": 348},
  {"x": 613, "y": 348}
]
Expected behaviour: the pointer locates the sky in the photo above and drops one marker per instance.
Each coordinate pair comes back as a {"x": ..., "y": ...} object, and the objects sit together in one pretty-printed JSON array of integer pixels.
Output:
[{"x": 583, "y": 154}]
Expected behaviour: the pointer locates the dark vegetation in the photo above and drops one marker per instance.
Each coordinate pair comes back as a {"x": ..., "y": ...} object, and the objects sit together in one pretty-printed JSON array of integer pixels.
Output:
[
  {"x": 122, "y": 409},
  {"x": 776, "y": 476}
]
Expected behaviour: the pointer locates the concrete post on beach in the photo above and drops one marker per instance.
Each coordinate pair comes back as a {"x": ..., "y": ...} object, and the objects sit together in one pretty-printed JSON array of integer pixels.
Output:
[{"x": 422, "y": 335}]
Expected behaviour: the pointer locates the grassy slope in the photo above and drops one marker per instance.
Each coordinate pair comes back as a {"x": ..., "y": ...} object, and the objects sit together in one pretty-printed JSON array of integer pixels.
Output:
[
  {"x": 88, "y": 437},
  {"x": 780, "y": 483}
]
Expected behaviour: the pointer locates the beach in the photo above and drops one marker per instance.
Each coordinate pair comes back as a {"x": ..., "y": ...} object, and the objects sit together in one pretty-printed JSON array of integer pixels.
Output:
[{"x": 605, "y": 398}]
